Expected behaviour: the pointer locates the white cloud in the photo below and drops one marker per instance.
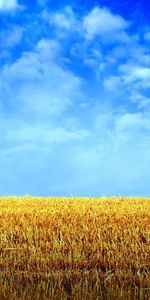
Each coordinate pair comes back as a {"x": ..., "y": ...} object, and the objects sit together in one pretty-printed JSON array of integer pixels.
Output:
[
  {"x": 48, "y": 49},
  {"x": 137, "y": 74},
  {"x": 141, "y": 100},
  {"x": 8, "y": 5},
  {"x": 57, "y": 134},
  {"x": 100, "y": 21},
  {"x": 141, "y": 73},
  {"x": 116, "y": 158},
  {"x": 129, "y": 81},
  {"x": 133, "y": 122},
  {"x": 11, "y": 37},
  {"x": 38, "y": 89},
  {"x": 112, "y": 83},
  {"x": 36, "y": 131},
  {"x": 102, "y": 160},
  {"x": 39, "y": 84},
  {"x": 130, "y": 85},
  {"x": 65, "y": 20},
  {"x": 44, "y": 135}
]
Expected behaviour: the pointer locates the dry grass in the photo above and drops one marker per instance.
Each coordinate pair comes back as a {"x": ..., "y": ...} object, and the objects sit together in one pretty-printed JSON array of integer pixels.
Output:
[{"x": 74, "y": 248}]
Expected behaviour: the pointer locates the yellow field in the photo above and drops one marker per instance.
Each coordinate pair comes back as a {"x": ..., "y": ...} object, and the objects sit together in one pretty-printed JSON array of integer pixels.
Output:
[{"x": 74, "y": 248}]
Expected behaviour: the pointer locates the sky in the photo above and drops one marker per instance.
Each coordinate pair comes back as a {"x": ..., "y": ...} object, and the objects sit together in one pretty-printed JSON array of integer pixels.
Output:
[{"x": 74, "y": 98}]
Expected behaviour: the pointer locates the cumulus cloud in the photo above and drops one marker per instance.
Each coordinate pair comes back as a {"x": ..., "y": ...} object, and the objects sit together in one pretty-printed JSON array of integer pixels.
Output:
[
  {"x": 126, "y": 71},
  {"x": 8, "y": 5},
  {"x": 38, "y": 89},
  {"x": 12, "y": 37},
  {"x": 101, "y": 22},
  {"x": 39, "y": 84},
  {"x": 74, "y": 116},
  {"x": 112, "y": 83},
  {"x": 37, "y": 99},
  {"x": 65, "y": 20},
  {"x": 141, "y": 100},
  {"x": 135, "y": 81},
  {"x": 133, "y": 122},
  {"x": 135, "y": 72},
  {"x": 115, "y": 145}
]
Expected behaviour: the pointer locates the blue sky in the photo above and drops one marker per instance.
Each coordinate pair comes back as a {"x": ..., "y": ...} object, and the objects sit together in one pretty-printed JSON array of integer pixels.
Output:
[{"x": 74, "y": 98}]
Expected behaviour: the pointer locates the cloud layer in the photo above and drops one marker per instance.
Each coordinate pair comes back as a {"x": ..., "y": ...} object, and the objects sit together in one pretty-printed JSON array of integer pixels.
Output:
[
  {"x": 8, "y": 5},
  {"x": 101, "y": 22},
  {"x": 74, "y": 103}
]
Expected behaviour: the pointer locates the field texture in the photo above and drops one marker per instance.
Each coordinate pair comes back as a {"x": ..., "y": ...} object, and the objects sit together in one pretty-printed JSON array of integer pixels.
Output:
[{"x": 74, "y": 248}]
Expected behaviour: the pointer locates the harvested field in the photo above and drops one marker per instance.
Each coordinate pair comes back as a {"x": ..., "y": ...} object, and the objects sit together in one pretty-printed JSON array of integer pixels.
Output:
[{"x": 74, "y": 248}]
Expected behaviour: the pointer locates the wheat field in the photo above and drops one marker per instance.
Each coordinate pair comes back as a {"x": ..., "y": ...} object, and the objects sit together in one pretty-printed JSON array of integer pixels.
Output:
[{"x": 74, "y": 248}]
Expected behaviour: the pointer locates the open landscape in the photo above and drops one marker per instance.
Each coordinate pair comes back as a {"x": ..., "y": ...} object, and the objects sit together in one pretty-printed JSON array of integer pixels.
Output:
[
  {"x": 74, "y": 248},
  {"x": 74, "y": 150}
]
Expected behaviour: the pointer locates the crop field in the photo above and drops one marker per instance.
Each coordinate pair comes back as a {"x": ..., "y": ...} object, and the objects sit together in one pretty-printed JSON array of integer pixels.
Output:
[{"x": 74, "y": 248}]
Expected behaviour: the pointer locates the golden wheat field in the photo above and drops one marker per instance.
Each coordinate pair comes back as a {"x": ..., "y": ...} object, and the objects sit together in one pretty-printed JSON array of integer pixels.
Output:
[{"x": 74, "y": 248}]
